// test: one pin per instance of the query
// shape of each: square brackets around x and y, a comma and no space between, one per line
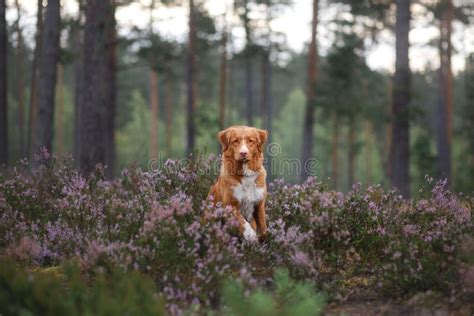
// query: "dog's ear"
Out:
[262,138]
[223,137]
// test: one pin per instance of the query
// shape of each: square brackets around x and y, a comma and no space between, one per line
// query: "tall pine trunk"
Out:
[169,117]
[33,113]
[267,94]
[59,126]
[468,113]
[45,94]
[77,37]
[154,106]
[3,86]
[388,133]
[20,84]
[111,91]
[223,80]
[368,151]
[191,81]
[351,152]
[335,150]
[248,66]
[445,90]
[95,94]
[308,137]
[400,149]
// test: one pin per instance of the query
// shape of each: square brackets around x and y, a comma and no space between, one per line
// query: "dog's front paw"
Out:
[249,233]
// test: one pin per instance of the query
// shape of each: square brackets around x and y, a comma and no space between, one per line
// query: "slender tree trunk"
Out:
[47,75]
[33,113]
[388,143]
[191,81]
[3,86]
[60,112]
[263,105]
[445,103]
[19,60]
[268,98]
[111,90]
[266,104]
[368,151]
[308,137]
[78,64]
[223,80]
[352,153]
[248,66]
[154,106]
[265,100]
[335,151]
[468,113]
[400,150]
[95,94]
[169,117]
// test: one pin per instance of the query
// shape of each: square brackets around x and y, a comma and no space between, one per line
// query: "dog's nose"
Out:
[243,154]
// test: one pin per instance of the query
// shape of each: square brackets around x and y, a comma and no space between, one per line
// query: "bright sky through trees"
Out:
[294,22]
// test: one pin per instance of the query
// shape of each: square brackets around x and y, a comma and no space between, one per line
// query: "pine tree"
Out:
[45,95]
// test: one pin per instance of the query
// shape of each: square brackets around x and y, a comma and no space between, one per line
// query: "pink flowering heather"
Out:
[160,224]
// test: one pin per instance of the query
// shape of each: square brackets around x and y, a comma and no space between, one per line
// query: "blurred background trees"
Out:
[79,79]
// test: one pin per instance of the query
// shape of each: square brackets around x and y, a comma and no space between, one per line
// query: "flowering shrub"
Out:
[160,224]
[407,246]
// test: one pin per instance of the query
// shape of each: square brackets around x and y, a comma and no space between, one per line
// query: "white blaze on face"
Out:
[244,148]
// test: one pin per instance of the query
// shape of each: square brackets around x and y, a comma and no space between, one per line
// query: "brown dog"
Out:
[241,182]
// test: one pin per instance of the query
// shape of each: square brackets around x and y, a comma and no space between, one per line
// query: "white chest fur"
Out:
[248,194]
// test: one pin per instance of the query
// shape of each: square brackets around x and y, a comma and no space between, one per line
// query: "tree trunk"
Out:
[308,136]
[3,86]
[388,143]
[368,151]
[468,113]
[154,113]
[223,80]
[352,153]
[335,149]
[445,102]
[33,113]
[267,95]
[191,81]
[248,66]
[95,94]
[78,64]
[268,92]
[47,75]
[262,101]
[20,84]
[60,112]
[169,117]
[400,150]
[265,87]
[111,91]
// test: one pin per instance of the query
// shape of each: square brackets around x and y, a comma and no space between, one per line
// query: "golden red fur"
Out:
[241,182]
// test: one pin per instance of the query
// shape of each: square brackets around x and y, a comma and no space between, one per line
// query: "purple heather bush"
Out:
[160,224]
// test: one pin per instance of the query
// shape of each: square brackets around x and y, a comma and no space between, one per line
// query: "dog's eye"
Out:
[251,141]
[235,141]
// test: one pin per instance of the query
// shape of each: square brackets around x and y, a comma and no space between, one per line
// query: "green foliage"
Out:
[132,146]
[67,292]
[288,298]
[424,157]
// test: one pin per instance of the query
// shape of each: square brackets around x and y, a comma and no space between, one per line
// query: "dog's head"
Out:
[242,143]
